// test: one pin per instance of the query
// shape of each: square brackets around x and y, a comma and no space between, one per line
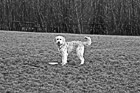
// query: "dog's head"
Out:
[60,40]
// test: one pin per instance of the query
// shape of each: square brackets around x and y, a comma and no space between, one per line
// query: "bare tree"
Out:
[74,16]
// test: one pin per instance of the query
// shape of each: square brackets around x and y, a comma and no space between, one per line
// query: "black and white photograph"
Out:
[69,46]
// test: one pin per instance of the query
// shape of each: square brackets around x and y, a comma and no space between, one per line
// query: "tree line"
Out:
[121,17]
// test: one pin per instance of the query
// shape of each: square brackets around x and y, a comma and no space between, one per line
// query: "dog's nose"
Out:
[58,42]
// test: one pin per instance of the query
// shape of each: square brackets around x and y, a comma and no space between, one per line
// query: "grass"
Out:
[112,65]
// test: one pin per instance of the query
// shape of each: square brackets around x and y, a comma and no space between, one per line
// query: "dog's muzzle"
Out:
[58,43]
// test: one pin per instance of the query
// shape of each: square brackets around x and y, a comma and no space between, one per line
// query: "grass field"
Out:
[112,65]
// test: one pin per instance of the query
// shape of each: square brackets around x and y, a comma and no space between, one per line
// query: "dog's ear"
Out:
[64,40]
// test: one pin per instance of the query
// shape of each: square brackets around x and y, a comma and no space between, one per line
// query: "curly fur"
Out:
[66,47]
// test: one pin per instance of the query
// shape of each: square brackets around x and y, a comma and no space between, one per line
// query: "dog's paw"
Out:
[81,63]
[63,64]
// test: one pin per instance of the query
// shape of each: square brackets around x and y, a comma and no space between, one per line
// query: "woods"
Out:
[110,17]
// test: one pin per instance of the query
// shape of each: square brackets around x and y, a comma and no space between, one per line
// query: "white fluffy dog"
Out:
[66,47]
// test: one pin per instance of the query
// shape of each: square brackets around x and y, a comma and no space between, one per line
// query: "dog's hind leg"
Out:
[80,52]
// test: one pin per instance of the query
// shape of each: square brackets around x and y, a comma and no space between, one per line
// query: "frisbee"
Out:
[53,63]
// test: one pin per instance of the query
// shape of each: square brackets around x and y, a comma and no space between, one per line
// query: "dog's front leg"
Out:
[64,58]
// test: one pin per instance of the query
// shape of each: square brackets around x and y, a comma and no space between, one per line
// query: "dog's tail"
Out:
[88,42]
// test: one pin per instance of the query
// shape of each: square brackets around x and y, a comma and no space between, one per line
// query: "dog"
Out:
[66,47]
